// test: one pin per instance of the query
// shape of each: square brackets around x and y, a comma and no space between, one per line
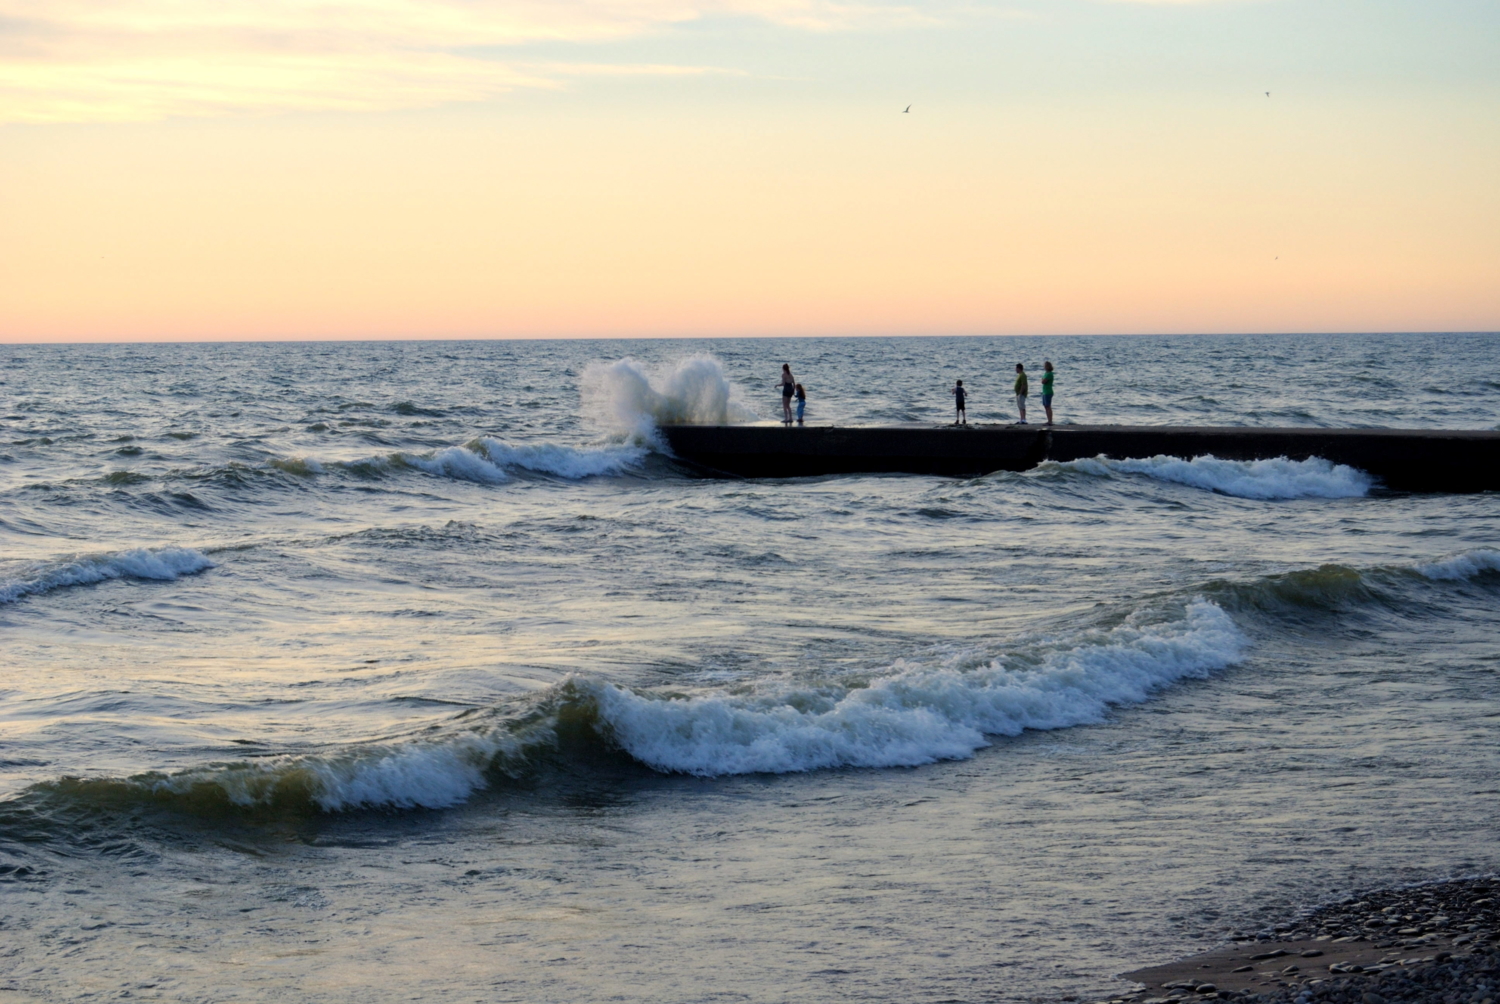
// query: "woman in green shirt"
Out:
[1047,375]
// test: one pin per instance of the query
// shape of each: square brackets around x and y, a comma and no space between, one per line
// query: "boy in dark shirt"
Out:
[962,417]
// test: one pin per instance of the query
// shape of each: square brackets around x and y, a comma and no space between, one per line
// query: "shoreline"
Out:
[1436,943]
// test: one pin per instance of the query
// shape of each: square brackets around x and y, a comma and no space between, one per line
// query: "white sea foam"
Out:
[426,775]
[1462,566]
[164,564]
[917,715]
[629,400]
[1252,479]
[488,461]
[458,462]
[914,715]
[563,461]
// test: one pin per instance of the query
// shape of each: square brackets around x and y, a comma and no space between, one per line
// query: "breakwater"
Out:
[1419,460]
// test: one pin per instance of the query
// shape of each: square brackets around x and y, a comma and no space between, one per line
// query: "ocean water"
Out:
[419,671]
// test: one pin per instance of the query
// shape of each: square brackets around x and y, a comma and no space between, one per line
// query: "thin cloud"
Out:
[140,60]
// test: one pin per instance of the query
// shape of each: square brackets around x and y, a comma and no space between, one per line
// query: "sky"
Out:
[272,169]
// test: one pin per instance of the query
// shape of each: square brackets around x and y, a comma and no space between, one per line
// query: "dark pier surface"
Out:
[1418,460]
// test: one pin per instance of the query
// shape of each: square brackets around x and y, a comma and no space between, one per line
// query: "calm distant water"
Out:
[415,671]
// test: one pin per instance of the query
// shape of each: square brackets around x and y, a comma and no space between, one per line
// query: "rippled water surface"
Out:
[399,671]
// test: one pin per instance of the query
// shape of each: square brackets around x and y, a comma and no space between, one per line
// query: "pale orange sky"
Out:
[504,170]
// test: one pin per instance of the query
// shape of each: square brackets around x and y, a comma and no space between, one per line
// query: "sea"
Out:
[422,671]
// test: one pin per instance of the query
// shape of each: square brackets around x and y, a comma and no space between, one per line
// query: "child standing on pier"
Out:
[788,388]
[801,402]
[962,417]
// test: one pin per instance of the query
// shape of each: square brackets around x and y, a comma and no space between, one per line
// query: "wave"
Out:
[907,715]
[1462,567]
[1290,597]
[564,461]
[912,712]
[484,461]
[918,715]
[162,565]
[461,463]
[629,400]
[1251,479]
[488,461]
[426,775]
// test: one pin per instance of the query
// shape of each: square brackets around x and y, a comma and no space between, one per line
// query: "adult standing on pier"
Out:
[1021,388]
[788,388]
[1047,375]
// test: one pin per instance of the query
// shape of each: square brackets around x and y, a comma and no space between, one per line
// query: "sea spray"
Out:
[628,400]
[1251,479]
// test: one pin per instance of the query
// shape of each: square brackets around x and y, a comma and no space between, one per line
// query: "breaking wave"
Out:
[629,400]
[485,461]
[1463,566]
[914,712]
[564,461]
[162,565]
[910,714]
[1251,479]
[918,715]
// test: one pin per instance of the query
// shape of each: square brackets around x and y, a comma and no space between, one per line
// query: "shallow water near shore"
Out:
[418,670]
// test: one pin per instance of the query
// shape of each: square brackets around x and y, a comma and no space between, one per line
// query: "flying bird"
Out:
[906,109]
[1268,94]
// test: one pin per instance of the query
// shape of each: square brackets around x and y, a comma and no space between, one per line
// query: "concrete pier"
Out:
[1417,460]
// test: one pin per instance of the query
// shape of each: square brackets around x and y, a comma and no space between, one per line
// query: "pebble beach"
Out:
[1435,943]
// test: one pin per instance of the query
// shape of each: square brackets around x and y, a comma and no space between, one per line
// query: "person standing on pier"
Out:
[788,388]
[1021,388]
[801,402]
[962,416]
[1047,375]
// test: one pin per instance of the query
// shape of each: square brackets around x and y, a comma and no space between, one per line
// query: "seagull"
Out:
[1268,94]
[906,109]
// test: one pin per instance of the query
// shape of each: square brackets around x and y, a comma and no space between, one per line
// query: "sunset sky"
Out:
[210,169]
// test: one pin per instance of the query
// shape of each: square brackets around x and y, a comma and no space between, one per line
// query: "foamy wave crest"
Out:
[459,462]
[1251,479]
[563,461]
[488,461]
[1460,567]
[163,565]
[918,715]
[428,774]
[432,775]
[627,399]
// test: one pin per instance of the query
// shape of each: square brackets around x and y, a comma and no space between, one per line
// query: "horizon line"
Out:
[299,340]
